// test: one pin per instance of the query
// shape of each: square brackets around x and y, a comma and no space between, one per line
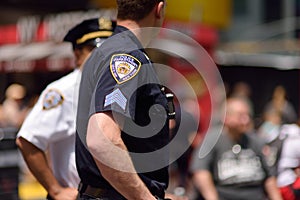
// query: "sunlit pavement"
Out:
[31,190]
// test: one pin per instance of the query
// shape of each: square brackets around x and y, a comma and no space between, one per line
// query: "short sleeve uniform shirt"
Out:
[120,78]
[50,126]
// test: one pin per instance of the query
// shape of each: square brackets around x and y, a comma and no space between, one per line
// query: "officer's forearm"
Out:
[37,163]
[112,158]
[126,183]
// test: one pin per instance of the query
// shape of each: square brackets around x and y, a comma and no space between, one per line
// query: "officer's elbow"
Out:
[102,134]
[24,145]
[19,142]
[99,148]
[95,140]
[92,144]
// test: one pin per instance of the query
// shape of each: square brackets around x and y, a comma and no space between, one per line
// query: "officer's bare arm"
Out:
[37,162]
[110,153]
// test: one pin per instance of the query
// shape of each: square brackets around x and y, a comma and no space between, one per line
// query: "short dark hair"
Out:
[135,9]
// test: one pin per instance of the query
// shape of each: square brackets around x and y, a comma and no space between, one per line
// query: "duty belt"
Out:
[86,190]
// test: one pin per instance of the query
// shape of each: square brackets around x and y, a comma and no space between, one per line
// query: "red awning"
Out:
[41,56]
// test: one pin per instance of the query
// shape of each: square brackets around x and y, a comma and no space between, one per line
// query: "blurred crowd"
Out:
[272,138]
[14,108]
[277,129]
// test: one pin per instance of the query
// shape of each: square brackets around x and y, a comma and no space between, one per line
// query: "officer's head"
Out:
[87,35]
[137,10]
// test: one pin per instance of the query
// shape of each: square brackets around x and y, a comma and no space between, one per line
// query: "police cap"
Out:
[90,32]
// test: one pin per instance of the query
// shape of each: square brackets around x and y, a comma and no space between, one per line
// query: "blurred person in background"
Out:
[235,168]
[50,126]
[289,162]
[269,132]
[185,130]
[277,112]
[280,103]
[243,90]
[14,108]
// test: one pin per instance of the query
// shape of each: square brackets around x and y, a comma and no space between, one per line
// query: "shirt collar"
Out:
[120,29]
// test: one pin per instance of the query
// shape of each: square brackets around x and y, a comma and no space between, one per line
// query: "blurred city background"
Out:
[254,43]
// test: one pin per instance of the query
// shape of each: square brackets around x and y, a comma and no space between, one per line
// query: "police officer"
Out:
[122,124]
[51,124]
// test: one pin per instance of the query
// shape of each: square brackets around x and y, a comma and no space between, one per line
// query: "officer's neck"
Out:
[137,29]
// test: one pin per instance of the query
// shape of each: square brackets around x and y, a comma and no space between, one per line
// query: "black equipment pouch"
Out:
[171,107]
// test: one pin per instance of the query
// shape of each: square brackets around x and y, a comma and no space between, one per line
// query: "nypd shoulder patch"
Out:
[52,99]
[124,67]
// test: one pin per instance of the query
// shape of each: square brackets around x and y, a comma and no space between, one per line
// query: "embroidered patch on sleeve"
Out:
[52,99]
[116,97]
[124,67]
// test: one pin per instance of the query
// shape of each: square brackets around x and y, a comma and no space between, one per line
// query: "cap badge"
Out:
[105,24]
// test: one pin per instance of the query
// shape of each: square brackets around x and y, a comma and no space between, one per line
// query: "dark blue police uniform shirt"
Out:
[119,77]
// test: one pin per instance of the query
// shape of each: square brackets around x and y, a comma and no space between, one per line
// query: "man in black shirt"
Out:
[235,168]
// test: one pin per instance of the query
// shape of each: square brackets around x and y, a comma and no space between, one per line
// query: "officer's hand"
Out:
[66,194]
